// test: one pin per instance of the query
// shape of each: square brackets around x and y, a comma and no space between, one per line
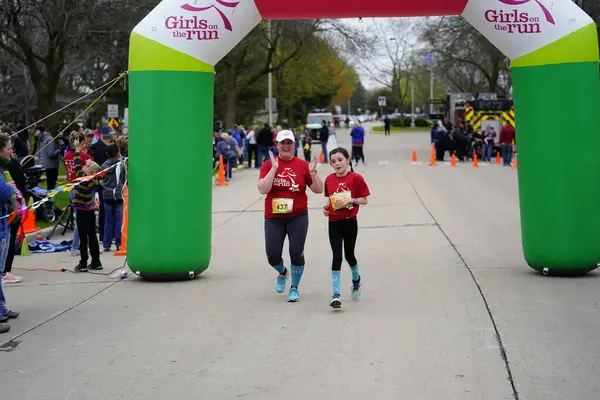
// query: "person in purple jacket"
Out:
[6,192]
[358,142]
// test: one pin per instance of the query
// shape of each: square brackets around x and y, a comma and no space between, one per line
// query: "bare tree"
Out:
[463,58]
[388,62]
[54,38]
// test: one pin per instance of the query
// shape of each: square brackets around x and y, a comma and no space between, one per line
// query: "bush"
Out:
[421,123]
[405,123]
[396,123]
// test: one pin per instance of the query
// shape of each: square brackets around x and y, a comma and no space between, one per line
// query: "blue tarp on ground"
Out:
[45,246]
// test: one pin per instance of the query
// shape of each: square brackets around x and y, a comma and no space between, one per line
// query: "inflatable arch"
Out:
[553,48]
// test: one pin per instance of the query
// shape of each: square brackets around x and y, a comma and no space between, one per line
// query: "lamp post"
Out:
[412,101]
[270,105]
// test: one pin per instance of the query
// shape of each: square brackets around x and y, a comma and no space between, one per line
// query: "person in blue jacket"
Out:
[7,190]
[358,142]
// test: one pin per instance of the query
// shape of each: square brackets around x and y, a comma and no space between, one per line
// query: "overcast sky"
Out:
[370,24]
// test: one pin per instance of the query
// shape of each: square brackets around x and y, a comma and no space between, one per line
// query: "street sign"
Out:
[113,122]
[273,104]
[113,111]
[382,101]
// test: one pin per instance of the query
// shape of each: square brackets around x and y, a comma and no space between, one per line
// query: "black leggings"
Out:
[86,226]
[276,230]
[343,232]
[358,154]
[14,239]
[51,177]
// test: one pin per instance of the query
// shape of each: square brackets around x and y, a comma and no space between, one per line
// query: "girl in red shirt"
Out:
[345,191]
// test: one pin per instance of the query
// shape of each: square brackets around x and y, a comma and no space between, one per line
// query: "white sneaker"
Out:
[10,278]
[74,253]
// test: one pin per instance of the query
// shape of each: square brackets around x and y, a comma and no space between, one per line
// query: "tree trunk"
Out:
[232,95]
[291,121]
[495,75]
[46,99]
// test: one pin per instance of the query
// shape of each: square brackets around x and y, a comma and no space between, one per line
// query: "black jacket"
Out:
[112,184]
[324,134]
[265,137]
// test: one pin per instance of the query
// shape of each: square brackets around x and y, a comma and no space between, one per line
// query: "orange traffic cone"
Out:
[498,161]
[475,161]
[125,227]
[28,225]
[432,161]
[453,162]
[515,163]
[321,158]
[222,181]
[414,156]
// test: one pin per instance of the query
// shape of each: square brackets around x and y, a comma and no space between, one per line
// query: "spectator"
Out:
[6,193]
[507,136]
[112,188]
[264,142]
[324,137]
[83,202]
[98,153]
[50,151]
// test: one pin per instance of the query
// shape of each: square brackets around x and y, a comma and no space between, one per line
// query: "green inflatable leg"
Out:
[171,119]
[559,166]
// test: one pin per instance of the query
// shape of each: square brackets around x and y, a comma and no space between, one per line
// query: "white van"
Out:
[314,123]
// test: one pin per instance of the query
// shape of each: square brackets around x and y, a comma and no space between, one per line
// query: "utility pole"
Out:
[431,87]
[412,102]
[270,108]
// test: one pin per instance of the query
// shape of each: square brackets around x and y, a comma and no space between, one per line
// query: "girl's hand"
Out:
[326,211]
[342,202]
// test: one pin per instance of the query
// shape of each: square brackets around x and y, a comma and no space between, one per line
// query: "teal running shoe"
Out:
[294,296]
[356,289]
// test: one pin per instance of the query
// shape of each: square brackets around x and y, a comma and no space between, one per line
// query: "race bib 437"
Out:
[283,206]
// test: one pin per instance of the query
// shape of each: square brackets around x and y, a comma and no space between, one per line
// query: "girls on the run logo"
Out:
[196,28]
[287,179]
[518,22]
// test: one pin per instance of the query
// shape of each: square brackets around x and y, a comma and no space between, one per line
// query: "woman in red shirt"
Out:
[345,191]
[284,180]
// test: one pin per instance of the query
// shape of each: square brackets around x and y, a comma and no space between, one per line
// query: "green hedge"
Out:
[405,123]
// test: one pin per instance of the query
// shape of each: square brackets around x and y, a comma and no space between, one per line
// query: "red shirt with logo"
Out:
[287,197]
[353,186]
[68,158]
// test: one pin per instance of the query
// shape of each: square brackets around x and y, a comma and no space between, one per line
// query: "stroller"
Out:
[475,146]
[33,177]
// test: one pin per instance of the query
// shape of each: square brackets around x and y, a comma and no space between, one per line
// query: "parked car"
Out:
[314,124]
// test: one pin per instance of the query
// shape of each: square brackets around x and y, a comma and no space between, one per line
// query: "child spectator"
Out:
[83,203]
[6,193]
[112,191]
